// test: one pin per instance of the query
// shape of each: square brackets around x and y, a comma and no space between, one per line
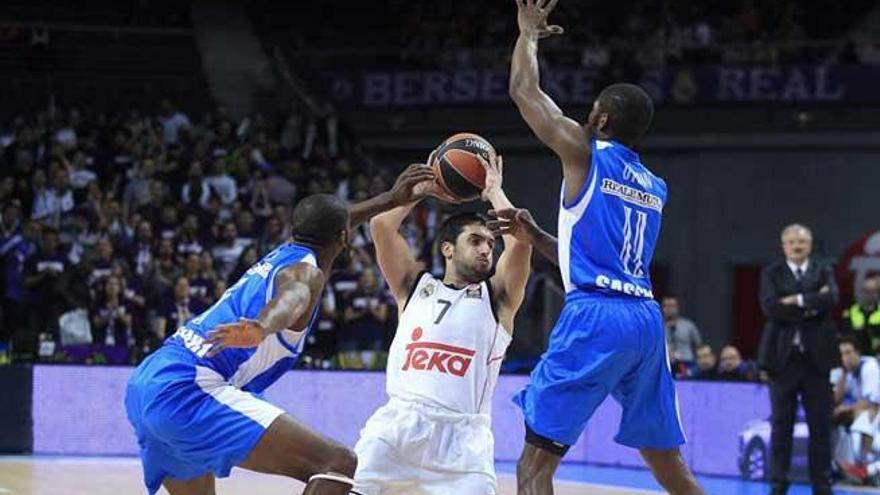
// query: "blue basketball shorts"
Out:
[605,345]
[189,421]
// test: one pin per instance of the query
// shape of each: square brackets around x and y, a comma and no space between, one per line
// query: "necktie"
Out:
[799,278]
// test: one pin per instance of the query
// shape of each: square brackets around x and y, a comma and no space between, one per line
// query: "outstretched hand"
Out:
[532,18]
[243,333]
[406,187]
[516,222]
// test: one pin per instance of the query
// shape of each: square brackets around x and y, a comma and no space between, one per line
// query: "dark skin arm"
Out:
[518,222]
[566,137]
[400,194]
[297,290]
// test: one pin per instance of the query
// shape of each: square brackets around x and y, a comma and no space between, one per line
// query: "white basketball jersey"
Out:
[448,348]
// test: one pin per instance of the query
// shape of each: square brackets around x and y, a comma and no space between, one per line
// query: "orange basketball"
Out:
[459,171]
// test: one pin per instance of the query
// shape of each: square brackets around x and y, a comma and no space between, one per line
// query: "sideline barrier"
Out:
[78,410]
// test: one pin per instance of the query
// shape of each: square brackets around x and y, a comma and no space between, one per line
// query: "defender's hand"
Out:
[243,333]
[494,175]
[404,190]
[532,18]
[517,222]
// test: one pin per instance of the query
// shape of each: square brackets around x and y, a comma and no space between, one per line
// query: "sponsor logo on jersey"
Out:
[606,282]
[427,291]
[192,341]
[632,195]
[435,356]
[474,292]
[263,269]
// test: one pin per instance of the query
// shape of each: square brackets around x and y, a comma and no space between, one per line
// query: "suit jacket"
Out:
[814,319]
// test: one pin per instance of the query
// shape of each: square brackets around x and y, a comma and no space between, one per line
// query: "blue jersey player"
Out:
[195,403]
[609,338]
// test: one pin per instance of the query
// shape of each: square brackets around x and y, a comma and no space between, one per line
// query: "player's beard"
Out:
[472,272]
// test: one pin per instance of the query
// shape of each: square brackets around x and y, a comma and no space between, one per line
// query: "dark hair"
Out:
[629,110]
[851,340]
[318,219]
[453,226]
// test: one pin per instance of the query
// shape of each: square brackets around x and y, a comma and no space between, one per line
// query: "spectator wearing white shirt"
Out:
[860,384]
[172,122]
[227,251]
[222,184]
[52,204]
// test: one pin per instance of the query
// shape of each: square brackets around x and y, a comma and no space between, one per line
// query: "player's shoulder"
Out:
[303,271]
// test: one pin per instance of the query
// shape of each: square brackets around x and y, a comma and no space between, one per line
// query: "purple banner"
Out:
[707,84]
[78,410]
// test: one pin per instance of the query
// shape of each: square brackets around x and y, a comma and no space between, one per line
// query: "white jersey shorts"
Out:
[416,449]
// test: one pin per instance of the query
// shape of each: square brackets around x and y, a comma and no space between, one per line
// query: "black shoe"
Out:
[822,490]
[779,489]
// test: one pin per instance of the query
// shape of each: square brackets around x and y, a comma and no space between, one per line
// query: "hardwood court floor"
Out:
[112,476]
[122,476]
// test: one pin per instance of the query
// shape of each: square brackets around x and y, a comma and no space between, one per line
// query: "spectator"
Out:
[365,324]
[140,253]
[273,236]
[172,122]
[177,309]
[862,319]
[137,191]
[165,271]
[188,237]
[45,277]
[222,184]
[51,205]
[246,228]
[682,336]
[100,264]
[227,251]
[248,258]
[200,287]
[733,368]
[169,222]
[111,318]
[195,193]
[707,363]
[16,246]
[857,399]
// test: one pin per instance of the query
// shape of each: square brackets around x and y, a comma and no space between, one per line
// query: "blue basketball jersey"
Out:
[608,233]
[252,369]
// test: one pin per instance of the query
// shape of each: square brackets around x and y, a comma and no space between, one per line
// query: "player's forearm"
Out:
[524,72]
[284,309]
[498,199]
[392,219]
[363,211]
[547,245]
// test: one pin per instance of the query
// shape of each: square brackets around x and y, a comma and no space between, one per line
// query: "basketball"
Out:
[458,168]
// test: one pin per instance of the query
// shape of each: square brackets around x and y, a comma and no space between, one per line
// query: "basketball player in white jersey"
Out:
[433,437]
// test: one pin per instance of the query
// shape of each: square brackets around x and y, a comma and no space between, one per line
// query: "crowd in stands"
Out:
[116,228]
[626,39]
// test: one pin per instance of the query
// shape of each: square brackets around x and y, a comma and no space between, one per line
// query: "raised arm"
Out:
[566,137]
[393,254]
[399,194]
[297,290]
[514,265]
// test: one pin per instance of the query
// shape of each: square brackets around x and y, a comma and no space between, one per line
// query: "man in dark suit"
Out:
[797,295]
